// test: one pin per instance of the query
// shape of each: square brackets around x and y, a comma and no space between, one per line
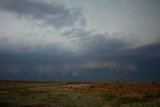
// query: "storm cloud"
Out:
[68,48]
[127,64]
[54,14]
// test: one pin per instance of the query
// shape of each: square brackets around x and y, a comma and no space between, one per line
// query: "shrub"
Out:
[151,95]
[108,96]
[129,100]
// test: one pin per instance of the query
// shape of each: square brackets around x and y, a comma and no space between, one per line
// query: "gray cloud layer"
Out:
[128,64]
[56,15]
[79,54]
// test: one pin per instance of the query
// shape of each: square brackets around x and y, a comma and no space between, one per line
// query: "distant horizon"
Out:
[73,81]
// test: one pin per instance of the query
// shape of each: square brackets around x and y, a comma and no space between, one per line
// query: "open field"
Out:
[76,94]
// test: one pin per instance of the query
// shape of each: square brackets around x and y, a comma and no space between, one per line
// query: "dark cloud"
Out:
[98,57]
[56,15]
[127,64]
[74,53]
[100,43]
[90,42]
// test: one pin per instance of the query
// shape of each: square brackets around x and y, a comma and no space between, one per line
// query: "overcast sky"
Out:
[89,40]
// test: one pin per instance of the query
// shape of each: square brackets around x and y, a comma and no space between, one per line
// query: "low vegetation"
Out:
[76,94]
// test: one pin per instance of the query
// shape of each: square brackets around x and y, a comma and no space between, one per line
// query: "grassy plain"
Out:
[79,94]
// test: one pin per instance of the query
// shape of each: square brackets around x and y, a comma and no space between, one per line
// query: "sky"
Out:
[75,40]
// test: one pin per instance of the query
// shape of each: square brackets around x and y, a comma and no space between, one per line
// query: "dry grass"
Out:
[76,94]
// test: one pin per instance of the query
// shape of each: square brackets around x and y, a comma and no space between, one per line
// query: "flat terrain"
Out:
[79,94]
